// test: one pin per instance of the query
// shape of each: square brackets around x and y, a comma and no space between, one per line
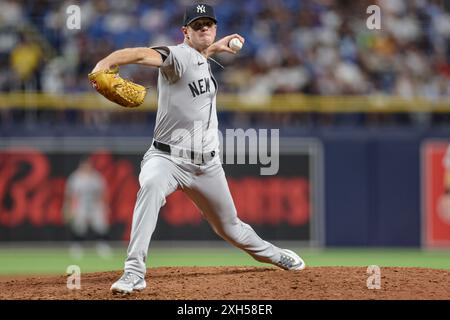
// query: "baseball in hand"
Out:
[235,44]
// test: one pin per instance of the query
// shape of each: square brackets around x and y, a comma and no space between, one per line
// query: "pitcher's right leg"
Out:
[157,180]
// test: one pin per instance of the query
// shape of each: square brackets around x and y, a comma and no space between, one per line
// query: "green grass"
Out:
[56,260]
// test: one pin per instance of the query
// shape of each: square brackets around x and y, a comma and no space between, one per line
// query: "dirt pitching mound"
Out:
[254,283]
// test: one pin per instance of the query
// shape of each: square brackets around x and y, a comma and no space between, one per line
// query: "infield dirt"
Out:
[235,283]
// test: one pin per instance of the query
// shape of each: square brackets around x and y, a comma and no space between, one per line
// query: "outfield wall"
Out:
[371,194]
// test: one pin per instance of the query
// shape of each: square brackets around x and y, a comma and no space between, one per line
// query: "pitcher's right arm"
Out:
[143,56]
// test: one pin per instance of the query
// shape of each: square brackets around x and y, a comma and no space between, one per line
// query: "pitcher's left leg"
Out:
[212,196]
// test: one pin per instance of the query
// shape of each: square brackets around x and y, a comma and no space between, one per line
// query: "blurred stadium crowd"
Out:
[314,47]
[320,47]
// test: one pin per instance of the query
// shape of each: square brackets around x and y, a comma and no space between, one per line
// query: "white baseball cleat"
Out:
[289,260]
[128,283]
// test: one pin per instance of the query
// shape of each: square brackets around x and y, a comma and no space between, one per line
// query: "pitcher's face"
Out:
[201,32]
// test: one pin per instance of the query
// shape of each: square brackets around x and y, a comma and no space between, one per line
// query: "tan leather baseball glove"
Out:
[116,89]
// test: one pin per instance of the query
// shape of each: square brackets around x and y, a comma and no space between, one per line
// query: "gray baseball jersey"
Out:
[187,116]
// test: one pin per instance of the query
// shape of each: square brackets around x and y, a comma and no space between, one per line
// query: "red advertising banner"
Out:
[436,195]
[34,180]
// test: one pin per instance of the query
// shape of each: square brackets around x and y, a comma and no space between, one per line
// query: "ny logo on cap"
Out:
[201,9]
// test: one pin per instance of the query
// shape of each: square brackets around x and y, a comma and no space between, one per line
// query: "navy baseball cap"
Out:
[198,11]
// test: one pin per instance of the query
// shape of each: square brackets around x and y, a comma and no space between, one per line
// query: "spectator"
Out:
[26,60]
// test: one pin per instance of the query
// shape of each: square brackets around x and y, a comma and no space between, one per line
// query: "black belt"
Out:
[193,155]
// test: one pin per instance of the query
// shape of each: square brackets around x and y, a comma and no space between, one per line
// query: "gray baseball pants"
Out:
[206,185]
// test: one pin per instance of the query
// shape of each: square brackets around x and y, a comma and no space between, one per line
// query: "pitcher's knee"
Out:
[234,230]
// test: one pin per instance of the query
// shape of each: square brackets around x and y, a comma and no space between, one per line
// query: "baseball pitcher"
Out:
[187,94]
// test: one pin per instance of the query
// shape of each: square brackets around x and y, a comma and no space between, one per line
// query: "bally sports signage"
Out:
[34,173]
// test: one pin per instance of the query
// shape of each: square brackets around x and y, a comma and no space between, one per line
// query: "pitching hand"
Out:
[222,45]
